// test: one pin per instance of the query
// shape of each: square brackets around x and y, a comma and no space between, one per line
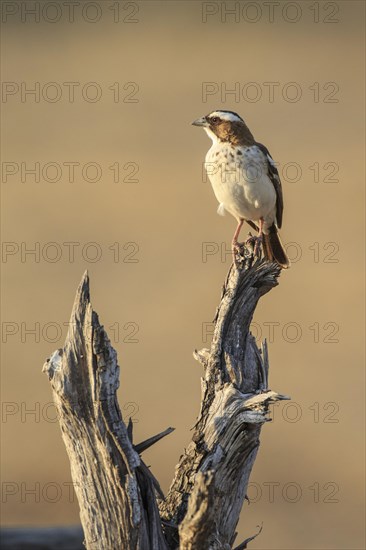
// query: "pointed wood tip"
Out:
[141,447]
[82,296]
[80,309]
[83,291]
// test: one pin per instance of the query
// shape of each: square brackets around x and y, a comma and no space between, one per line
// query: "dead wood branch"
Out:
[121,503]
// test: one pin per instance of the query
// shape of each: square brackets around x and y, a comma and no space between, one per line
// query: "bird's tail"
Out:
[273,248]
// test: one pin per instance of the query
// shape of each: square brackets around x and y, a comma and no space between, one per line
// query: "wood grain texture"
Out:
[121,503]
[234,406]
[115,490]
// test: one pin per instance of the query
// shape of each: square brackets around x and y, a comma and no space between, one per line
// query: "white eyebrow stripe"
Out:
[226,116]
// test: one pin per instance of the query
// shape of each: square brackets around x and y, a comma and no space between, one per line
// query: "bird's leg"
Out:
[235,244]
[259,239]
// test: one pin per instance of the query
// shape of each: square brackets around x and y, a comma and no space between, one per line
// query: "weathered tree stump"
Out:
[121,503]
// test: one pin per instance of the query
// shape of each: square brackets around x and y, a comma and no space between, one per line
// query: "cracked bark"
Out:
[121,503]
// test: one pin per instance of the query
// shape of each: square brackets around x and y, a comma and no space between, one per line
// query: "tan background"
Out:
[170,292]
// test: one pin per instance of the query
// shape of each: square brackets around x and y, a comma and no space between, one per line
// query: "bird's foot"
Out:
[251,246]
[253,243]
[251,240]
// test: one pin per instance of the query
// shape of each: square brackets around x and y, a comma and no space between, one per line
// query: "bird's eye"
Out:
[215,120]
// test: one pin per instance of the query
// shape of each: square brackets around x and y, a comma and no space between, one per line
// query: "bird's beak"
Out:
[200,122]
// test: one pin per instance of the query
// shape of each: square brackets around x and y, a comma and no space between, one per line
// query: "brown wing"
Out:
[275,179]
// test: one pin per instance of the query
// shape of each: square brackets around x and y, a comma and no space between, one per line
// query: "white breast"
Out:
[240,181]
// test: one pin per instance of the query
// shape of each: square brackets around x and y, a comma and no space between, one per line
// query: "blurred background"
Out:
[101,170]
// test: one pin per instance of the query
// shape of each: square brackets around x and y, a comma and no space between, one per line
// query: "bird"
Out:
[245,181]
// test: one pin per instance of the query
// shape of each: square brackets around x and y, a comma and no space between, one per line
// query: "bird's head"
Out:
[225,126]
